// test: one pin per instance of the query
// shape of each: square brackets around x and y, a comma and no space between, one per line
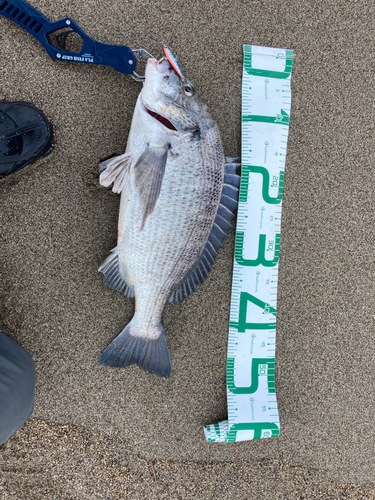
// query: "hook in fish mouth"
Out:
[165,65]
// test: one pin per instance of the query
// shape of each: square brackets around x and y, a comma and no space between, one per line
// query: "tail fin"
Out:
[129,348]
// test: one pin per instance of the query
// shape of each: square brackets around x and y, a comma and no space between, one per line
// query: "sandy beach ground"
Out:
[98,432]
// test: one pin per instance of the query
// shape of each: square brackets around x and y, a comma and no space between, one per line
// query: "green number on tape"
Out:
[257,370]
[246,169]
[258,429]
[241,325]
[261,259]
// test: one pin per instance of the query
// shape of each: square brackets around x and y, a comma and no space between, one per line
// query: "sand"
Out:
[95,430]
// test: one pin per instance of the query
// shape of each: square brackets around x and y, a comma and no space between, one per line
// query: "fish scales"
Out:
[175,233]
[171,179]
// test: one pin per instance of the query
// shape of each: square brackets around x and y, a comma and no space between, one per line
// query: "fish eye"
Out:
[189,90]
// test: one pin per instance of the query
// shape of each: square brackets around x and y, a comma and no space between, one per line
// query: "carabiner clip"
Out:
[140,53]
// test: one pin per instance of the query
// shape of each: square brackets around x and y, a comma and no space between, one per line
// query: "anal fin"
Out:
[112,277]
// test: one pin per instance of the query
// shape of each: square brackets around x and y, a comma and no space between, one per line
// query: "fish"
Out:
[178,197]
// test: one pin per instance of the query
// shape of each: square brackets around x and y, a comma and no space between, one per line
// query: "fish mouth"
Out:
[163,66]
[164,121]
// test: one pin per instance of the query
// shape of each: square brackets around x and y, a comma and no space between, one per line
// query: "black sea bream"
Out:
[177,201]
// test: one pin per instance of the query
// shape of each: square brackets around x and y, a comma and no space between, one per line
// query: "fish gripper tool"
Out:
[55,36]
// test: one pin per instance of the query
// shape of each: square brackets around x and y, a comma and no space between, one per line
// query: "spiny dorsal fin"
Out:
[232,179]
[115,170]
[221,226]
[112,277]
[149,173]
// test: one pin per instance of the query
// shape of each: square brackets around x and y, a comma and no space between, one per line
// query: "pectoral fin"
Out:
[115,170]
[149,173]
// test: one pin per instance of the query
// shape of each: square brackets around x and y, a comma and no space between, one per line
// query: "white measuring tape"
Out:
[266,99]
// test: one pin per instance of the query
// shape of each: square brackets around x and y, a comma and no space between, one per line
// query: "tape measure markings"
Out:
[251,393]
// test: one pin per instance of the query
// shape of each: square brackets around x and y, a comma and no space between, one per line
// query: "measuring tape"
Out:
[266,99]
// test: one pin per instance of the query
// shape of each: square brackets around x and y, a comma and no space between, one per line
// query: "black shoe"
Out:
[25,135]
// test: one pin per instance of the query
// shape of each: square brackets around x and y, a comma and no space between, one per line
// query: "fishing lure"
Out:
[172,60]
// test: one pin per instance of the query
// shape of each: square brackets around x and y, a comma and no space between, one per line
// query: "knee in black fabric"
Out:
[17,387]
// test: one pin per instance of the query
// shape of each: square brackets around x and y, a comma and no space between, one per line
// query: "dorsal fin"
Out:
[221,226]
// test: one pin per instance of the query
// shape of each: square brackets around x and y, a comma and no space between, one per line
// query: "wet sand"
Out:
[95,430]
